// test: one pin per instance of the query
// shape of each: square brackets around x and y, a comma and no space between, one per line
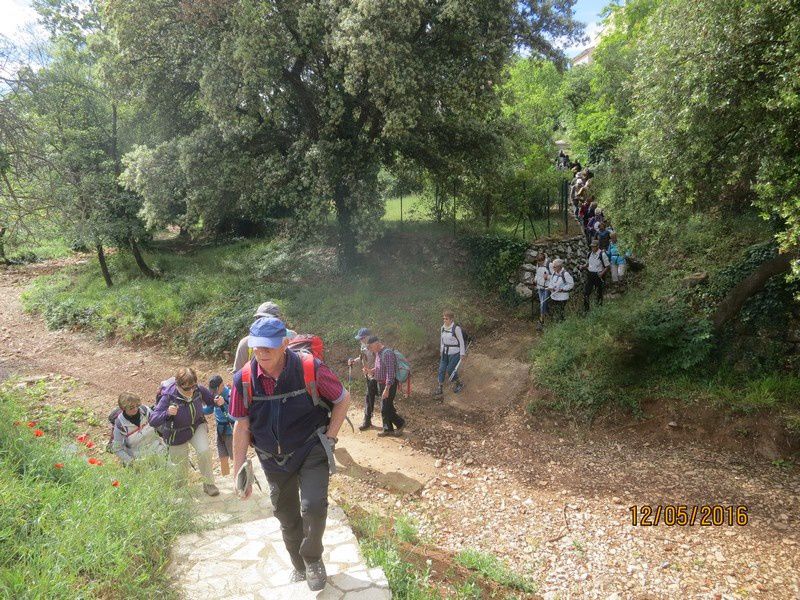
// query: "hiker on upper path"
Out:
[291,405]
[180,407]
[452,350]
[367,360]
[134,436]
[543,295]
[596,270]
[243,353]
[617,259]
[559,286]
[385,374]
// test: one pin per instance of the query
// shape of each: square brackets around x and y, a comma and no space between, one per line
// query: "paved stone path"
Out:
[242,556]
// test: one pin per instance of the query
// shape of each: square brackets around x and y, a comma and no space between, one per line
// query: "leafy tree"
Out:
[315,96]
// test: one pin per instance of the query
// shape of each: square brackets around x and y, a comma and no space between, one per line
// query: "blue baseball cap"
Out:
[266,332]
[363,332]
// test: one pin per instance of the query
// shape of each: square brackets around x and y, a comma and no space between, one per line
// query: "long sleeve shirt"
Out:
[560,284]
[451,341]
[385,367]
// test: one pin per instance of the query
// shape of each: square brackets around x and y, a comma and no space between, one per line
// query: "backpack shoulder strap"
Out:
[247,385]
[310,376]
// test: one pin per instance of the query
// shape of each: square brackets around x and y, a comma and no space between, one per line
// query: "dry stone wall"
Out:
[572,251]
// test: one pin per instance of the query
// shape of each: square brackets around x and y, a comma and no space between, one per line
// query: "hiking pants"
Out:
[593,281]
[389,415]
[447,364]
[300,502]
[179,455]
[369,399]
[557,309]
[543,296]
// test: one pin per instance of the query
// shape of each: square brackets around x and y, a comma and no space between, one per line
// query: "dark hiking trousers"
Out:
[388,414]
[557,308]
[593,281]
[302,515]
[369,399]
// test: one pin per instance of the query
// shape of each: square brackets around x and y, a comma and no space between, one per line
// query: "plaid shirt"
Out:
[385,367]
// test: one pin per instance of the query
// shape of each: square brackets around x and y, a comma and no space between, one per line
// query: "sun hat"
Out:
[266,332]
[268,309]
[363,332]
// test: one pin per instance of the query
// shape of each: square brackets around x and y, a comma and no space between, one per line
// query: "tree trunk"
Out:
[101,258]
[137,255]
[750,285]
[3,259]
[347,240]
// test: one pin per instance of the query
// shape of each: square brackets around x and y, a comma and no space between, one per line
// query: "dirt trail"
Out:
[480,473]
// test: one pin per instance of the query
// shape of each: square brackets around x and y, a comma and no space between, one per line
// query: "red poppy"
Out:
[95,461]
[59,465]
[90,445]
[32,423]
[115,483]
[38,433]
[83,438]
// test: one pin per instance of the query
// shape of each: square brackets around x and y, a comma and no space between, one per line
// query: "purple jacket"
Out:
[179,429]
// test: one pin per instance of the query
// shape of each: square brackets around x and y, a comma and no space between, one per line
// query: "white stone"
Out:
[370,594]
[346,553]
[339,535]
[251,551]
[349,582]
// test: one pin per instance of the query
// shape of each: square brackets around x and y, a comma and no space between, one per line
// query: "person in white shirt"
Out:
[559,285]
[542,275]
[596,270]
[452,350]
[133,434]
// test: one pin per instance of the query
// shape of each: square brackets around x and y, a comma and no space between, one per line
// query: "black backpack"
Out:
[467,337]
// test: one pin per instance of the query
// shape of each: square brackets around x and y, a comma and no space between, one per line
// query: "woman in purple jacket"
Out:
[180,410]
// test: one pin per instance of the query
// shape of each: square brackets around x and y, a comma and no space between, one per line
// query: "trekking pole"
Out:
[349,376]
[458,364]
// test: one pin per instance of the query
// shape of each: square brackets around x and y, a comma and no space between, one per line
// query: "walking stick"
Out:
[458,364]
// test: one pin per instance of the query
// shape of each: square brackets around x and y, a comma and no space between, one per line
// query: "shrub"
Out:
[495,261]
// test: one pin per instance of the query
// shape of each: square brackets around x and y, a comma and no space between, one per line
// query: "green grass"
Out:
[413,209]
[67,532]
[206,298]
[44,249]
[493,568]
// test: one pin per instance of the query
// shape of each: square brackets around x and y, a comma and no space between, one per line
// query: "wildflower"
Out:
[115,483]
[83,438]
[59,465]
[90,445]
[32,424]
[38,433]
[95,461]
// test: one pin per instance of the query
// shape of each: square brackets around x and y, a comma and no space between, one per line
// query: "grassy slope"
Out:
[207,297]
[68,532]
[654,341]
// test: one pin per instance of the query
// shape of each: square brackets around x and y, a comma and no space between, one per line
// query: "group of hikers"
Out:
[286,404]
[553,281]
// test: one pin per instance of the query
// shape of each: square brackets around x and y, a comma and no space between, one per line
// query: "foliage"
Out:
[208,296]
[495,261]
[66,531]
[493,568]
[312,97]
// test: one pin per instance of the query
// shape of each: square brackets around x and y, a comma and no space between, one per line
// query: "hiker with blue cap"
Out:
[367,360]
[291,406]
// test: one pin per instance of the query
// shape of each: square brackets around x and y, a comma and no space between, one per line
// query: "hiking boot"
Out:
[297,575]
[316,576]
[539,326]
[458,387]
[364,426]
[438,392]
[385,433]
[400,426]
[210,489]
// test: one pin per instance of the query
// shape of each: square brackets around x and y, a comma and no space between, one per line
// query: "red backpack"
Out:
[306,342]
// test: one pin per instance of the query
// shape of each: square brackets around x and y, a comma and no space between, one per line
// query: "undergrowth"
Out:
[66,531]
[206,298]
